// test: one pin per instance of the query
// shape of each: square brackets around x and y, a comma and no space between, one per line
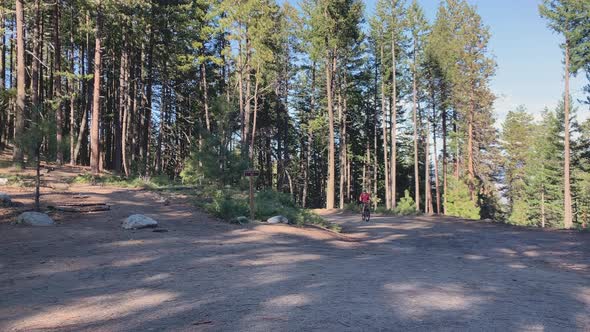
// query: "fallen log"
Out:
[82,204]
[81,209]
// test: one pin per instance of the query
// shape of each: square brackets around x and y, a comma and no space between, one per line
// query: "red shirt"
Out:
[365,198]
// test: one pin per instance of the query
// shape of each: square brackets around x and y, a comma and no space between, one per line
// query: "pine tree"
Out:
[517,142]
[19,127]
[418,26]
[563,18]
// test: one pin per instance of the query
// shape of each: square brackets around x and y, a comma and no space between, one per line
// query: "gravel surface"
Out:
[394,273]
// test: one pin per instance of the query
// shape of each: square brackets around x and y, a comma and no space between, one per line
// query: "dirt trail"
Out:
[419,273]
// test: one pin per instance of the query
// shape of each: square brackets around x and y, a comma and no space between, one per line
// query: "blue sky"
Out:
[530,68]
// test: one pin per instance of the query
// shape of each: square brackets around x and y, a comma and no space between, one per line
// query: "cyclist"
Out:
[365,199]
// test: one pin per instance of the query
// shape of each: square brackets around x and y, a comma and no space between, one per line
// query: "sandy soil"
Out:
[419,273]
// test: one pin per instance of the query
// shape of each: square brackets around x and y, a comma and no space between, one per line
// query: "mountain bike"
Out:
[366,213]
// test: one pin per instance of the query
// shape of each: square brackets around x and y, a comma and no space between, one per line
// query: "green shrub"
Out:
[383,210]
[406,205]
[458,200]
[520,213]
[271,203]
[353,207]
[226,207]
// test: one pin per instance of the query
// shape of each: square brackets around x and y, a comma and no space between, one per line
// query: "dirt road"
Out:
[405,274]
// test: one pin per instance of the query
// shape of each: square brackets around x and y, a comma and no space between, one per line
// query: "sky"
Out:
[530,61]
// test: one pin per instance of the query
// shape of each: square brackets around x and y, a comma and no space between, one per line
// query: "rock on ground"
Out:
[3,181]
[5,200]
[277,220]
[34,219]
[137,221]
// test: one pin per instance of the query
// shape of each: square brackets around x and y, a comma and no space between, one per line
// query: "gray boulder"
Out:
[34,219]
[5,200]
[277,220]
[3,181]
[138,221]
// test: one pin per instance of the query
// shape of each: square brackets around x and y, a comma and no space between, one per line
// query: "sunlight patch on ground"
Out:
[280,259]
[584,296]
[389,238]
[420,300]
[129,243]
[134,261]
[475,257]
[94,309]
[286,301]
[60,266]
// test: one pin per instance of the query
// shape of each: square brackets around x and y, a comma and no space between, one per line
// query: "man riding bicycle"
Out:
[365,200]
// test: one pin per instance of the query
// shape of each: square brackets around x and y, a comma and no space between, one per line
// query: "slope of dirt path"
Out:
[420,273]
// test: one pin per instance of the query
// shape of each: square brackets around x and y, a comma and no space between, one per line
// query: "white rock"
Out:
[34,219]
[5,199]
[3,181]
[277,220]
[137,221]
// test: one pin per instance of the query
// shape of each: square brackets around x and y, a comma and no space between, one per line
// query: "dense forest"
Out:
[322,99]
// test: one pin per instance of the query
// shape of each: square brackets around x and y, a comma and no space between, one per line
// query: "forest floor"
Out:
[393,273]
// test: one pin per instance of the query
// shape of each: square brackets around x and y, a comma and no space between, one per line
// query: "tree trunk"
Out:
[247,97]
[384,124]
[36,59]
[470,148]
[445,160]
[59,114]
[125,108]
[427,192]
[435,150]
[205,96]
[19,126]
[415,118]
[38,177]
[567,195]
[251,154]
[3,113]
[393,110]
[330,186]
[309,139]
[147,118]
[3,51]
[71,90]
[94,130]
[342,142]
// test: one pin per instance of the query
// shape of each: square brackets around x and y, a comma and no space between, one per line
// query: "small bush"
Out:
[459,203]
[520,213]
[353,207]
[406,205]
[226,207]
[384,211]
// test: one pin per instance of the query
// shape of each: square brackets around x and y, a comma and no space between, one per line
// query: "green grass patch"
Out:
[121,181]
[18,180]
